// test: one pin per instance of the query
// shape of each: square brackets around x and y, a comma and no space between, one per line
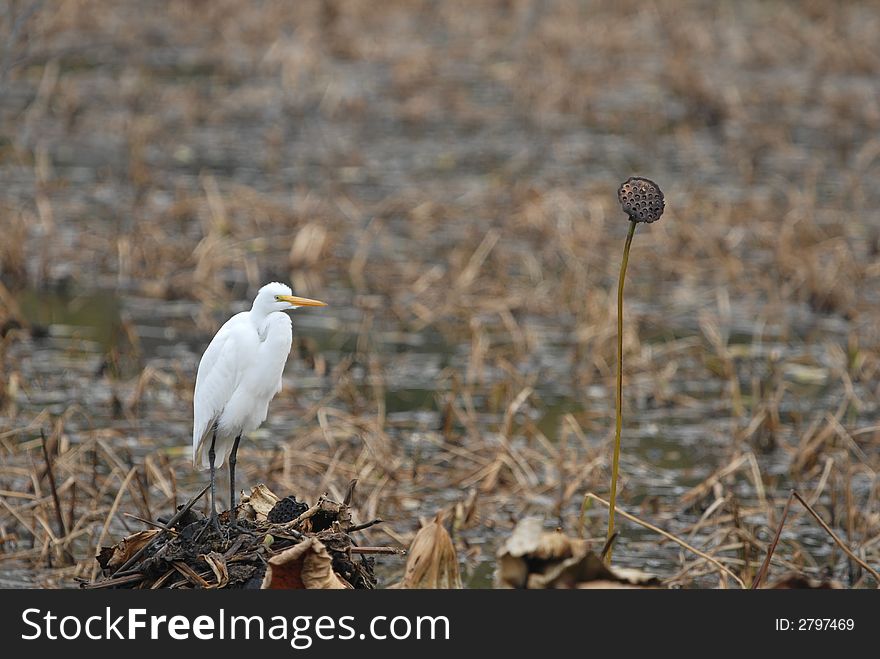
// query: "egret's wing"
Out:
[218,375]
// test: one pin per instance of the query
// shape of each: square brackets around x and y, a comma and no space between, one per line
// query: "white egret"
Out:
[238,376]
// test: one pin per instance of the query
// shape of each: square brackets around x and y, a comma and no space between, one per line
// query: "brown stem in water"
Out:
[766,564]
[840,543]
[50,473]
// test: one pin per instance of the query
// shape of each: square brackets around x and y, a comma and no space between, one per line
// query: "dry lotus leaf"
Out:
[622,577]
[257,505]
[535,558]
[117,555]
[305,565]
[432,561]
[555,546]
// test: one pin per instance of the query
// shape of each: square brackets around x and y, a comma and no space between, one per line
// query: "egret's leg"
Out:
[214,520]
[232,458]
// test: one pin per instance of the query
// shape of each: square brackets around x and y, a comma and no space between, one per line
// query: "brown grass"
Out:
[443,174]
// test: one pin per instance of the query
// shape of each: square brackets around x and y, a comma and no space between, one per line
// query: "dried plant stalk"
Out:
[642,201]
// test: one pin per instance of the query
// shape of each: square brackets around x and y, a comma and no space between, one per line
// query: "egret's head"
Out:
[279,297]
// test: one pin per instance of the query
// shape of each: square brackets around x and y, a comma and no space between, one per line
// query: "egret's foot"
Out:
[212,522]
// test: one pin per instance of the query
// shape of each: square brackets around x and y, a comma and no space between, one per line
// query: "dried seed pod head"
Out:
[641,199]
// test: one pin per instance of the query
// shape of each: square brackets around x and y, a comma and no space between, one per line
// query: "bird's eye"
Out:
[277,299]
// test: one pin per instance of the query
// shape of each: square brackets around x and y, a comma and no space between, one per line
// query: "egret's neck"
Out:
[264,316]
[259,315]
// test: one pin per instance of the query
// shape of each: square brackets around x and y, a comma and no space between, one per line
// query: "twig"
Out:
[834,537]
[114,507]
[62,527]
[72,511]
[171,522]
[148,522]
[20,519]
[669,536]
[289,534]
[191,575]
[766,564]
[365,525]
[116,581]
[706,486]
[161,580]
[795,495]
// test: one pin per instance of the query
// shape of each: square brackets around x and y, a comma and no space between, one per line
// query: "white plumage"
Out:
[240,373]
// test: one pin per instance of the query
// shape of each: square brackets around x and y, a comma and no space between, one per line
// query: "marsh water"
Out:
[443,174]
[88,340]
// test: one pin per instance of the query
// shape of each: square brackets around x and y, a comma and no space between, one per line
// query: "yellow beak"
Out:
[301,301]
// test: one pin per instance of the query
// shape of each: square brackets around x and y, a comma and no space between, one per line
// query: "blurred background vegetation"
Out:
[443,173]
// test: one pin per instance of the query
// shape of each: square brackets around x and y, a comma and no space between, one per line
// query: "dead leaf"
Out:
[217,563]
[535,558]
[556,546]
[258,503]
[111,557]
[432,561]
[191,575]
[305,565]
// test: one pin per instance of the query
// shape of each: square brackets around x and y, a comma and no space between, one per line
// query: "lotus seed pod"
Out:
[641,199]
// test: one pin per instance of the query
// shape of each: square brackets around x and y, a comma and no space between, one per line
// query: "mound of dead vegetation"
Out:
[269,542]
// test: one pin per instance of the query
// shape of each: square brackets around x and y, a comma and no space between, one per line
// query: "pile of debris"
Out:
[269,542]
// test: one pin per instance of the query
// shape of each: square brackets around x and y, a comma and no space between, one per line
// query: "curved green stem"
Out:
[615,463]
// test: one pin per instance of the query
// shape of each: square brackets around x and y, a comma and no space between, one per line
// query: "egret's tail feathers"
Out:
[222,449]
